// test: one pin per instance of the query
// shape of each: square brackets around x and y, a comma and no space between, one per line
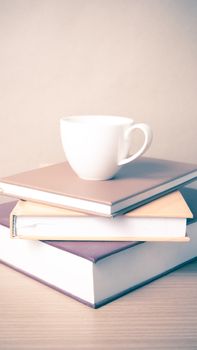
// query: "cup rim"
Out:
[102,119]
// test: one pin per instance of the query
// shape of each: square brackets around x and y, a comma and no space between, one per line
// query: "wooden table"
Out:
[161,315]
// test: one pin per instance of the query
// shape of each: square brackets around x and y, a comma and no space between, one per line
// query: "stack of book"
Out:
[96,241]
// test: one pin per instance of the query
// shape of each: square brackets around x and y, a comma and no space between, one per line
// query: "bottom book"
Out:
[96,273]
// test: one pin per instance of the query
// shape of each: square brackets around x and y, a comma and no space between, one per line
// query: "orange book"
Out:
[163,219]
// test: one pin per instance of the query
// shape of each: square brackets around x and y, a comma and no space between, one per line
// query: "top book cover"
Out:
[135,184]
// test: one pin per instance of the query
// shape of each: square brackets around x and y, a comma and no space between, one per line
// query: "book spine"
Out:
[13,219]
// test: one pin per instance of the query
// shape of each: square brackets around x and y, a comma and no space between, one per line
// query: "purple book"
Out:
[96,272]
[135,184]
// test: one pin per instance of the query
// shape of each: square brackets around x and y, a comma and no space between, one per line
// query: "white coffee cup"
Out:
[97,146]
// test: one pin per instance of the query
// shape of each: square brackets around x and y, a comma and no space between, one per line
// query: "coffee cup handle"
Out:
[147,141]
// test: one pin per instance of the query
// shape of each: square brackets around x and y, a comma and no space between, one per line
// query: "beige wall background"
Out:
[133,58]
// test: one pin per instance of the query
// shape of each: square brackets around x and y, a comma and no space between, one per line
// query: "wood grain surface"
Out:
[161,315]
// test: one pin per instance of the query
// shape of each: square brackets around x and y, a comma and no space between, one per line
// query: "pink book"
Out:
[96,273]
[135,184]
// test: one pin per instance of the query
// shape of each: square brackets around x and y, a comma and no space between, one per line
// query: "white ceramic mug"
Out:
[97,146]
